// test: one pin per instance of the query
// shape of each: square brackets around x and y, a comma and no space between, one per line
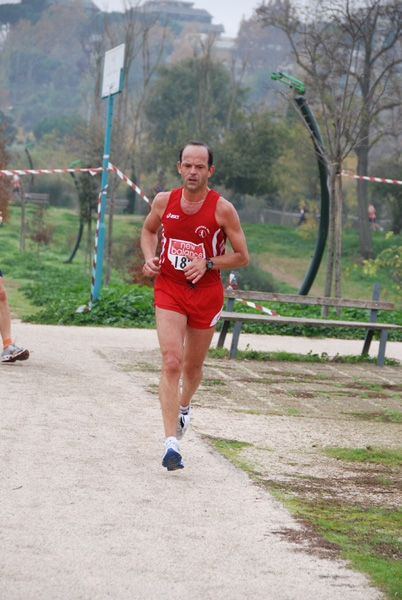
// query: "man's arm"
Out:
[149,234]
[228,219]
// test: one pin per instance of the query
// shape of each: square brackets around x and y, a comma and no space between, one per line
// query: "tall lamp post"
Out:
[319,149]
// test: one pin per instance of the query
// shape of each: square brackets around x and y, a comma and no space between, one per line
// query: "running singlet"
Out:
[197,235]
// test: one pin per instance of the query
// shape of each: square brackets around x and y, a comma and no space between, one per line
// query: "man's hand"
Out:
[195,269]
[151,267]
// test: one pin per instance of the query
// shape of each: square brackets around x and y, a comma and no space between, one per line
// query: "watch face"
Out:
[210,264]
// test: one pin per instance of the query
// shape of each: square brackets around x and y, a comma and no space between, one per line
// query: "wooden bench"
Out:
[370,326]
[120,204]
[38,199]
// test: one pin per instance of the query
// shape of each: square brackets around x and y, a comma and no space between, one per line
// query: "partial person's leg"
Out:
[10,352]
[196,346]
[5,321]
[197,343]
[171,328]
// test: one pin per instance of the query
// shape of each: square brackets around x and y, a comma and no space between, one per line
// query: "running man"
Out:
[188,292]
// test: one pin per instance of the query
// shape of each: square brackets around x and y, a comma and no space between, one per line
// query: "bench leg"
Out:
[381,350]
[235,339]
[222,335]
[367,341]
[225,325]
[373,319]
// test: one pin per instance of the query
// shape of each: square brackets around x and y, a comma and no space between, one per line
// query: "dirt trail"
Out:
[89,513]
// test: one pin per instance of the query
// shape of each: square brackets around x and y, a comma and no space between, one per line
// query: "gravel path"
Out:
[87,511]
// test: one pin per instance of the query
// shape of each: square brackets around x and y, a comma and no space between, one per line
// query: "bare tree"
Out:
[144,48]
[338,46]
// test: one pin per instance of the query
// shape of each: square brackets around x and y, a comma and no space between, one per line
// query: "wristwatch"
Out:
[210,264]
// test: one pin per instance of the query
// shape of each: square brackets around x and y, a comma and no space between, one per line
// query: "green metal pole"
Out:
[324,213]
[81,226]
[311,123]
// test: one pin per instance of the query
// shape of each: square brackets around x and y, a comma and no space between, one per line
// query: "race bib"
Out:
[179,249]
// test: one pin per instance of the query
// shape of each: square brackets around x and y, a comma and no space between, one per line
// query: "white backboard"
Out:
[114,61]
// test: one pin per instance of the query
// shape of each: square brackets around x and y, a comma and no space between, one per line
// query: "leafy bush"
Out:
[62,290]
[389,261]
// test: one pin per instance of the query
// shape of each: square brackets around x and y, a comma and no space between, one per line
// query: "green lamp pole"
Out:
[311,123]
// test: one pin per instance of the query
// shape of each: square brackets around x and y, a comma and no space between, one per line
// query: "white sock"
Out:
[170,439]
[184,410]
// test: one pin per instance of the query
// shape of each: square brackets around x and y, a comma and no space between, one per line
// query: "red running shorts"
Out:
[201,305]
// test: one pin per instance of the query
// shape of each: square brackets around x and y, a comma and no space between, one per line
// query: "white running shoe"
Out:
[13,353]
[182,425]
[172,457]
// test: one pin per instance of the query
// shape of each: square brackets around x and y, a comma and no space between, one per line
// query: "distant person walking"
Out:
[372,217]
[16,185]
[303,211]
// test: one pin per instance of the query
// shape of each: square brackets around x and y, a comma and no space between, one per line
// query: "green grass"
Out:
[278,241]
[366,455]
[386,416]
[213,382]
[264,240]
[291,356]
[368,537]
[232,450]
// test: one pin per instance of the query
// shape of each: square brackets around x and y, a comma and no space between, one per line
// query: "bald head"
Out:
[195,143]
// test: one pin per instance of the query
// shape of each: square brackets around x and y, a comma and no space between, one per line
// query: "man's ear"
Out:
[211,171]
[179,167]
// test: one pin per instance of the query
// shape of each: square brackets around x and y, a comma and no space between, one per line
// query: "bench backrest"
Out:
[119,203]
[311,300]
[33,196]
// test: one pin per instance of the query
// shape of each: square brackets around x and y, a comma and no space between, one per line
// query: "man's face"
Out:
[194,169]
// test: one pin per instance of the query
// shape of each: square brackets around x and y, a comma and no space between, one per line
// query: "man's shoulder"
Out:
[161,199]
[225,212]
[164,196]
[224,205]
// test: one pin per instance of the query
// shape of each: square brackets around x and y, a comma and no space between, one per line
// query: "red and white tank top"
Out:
[197,235]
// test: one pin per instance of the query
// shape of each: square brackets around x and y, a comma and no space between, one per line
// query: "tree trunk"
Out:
[366,244]
[88,254]
[331,238]
[22,226]
[338,244]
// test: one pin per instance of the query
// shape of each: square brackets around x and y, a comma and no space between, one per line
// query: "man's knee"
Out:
[192,372]
[171,365]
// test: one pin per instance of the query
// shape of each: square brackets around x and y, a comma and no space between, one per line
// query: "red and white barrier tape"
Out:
[41,171]
[378,179]
[259,307]
[129,182]
[93,171]
[96,170]
[96,243]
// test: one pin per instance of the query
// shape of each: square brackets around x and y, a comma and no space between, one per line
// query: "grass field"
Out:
[280,257]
